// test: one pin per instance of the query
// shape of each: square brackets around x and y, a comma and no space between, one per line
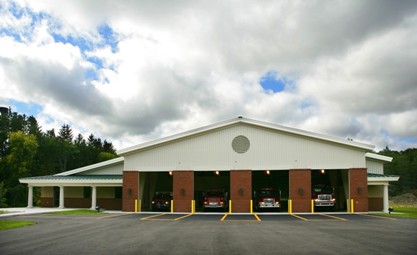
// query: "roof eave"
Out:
[378,157]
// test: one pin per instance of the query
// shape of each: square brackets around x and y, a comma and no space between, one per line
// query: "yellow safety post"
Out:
[172,206]
[192,206]
[289,206]
[312,205]
[136,205]
[230,206]
[352,207]
[251,206]
[139,205]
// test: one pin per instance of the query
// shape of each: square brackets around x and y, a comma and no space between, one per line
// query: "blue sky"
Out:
[135,71]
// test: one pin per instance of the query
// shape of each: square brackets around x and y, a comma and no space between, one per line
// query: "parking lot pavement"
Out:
[240,217]
[207,234]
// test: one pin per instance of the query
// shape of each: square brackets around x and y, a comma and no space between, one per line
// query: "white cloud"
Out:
[183,64]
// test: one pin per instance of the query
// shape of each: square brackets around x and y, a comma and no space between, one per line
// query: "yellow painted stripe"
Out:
[299,217]
[153,216]
[243,220]
[256,216]
[224,217]
[114,215]
[182,217]
[380,217]
[331,216]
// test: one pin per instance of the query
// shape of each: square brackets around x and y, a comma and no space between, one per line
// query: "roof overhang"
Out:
[77,180]
[378,157]
[379,179]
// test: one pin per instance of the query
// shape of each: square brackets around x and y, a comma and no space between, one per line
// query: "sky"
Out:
[133,71]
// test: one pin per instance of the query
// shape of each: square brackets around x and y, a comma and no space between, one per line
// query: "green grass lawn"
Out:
[8,224]
[402,212]
[79,212]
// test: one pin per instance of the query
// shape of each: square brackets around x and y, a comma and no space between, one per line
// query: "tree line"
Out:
[404,164]
[26,150]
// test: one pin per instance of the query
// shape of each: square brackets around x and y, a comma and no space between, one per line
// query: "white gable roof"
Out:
[252,122]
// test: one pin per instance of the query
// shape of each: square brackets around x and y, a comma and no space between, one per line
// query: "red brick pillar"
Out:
[130,190]
[240,190]
[358,186]
[300,190]
[183,188]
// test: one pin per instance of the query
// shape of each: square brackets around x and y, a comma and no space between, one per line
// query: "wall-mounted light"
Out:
[267,172]
[322,171]
[170,173]
[217,173]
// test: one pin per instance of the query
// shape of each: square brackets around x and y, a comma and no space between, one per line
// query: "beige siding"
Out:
[269,149]
[47,191]
[74,192]
[375,191]
[105,192]
[375,167]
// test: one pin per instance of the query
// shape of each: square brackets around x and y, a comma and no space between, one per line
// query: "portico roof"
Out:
[74,180]
[382,178]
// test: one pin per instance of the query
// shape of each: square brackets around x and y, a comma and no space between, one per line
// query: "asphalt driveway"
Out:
[210,234]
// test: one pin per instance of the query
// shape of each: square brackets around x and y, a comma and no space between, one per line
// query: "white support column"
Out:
[93,197]
[386,203]
[61,197]
[30,196]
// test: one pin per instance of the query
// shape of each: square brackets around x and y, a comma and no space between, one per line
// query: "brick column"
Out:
[358,187]
[183,189]
[300,189]
[130,190]
[240,190]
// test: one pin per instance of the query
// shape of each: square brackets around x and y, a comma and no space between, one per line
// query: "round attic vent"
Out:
[240,144]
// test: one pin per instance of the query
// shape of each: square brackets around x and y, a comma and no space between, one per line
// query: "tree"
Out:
[17,164]
[66,148]
[22,151]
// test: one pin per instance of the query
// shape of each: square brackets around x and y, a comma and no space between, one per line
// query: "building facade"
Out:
[238,156]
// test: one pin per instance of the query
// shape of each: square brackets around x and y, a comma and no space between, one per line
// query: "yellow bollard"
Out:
[230,206]
[352,207]
[251,206]
[172,206]
[193,206]
[136,205]
[289,206]
[139,205]
[312,205]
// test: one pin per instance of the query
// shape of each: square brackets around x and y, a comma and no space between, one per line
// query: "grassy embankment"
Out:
[402,211]
[8,224]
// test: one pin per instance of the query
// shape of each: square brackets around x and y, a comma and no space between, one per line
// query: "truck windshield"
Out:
[266,193]
[327,190]
[163,195]
[214,193]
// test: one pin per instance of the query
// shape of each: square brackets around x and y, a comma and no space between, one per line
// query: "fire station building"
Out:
[239,156]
